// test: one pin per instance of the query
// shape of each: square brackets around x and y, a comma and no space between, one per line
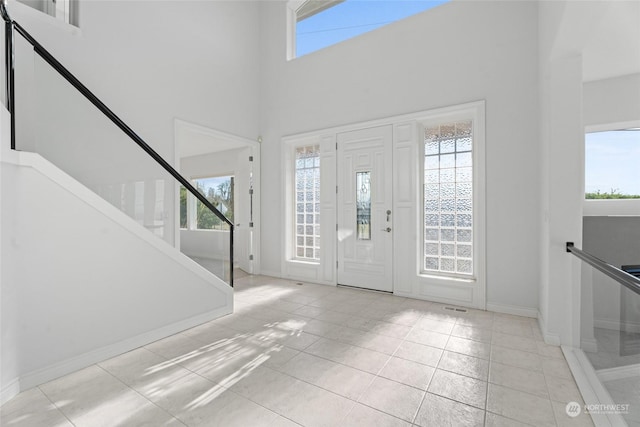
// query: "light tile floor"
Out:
[316,355]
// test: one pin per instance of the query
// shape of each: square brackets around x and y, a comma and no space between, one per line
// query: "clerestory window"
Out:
[63,10]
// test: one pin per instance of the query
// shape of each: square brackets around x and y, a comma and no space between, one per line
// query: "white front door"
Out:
[365,220]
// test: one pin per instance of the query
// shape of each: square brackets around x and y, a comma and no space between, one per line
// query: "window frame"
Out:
[65,12]
[606,207]
[292,20]
[475,114]
[192,205]
[293,207]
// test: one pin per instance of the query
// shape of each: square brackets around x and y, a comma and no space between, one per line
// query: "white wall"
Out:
[195,60]
[86,283]
[418,64]
[611,101]
[151,62]
[9,288]
[561,167]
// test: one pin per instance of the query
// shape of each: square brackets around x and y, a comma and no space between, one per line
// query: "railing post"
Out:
[9,75]
[231,227]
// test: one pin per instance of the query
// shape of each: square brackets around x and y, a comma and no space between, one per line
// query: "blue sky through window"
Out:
[612,162]
[352,18]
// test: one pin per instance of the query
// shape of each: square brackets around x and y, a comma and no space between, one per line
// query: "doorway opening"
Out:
[226,169]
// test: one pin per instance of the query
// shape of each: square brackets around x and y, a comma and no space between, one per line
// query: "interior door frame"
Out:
[385,133]
[182,130]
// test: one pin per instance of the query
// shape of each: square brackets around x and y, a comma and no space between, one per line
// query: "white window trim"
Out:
[611,207]
[292,20]
[474,286]
[475,115]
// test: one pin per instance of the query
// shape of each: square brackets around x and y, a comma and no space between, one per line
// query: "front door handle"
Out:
[388,229]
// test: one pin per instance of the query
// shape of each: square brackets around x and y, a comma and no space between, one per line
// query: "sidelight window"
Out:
[448,198]
[307,203]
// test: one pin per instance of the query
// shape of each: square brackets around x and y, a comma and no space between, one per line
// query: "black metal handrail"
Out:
[10,25]
[627,280]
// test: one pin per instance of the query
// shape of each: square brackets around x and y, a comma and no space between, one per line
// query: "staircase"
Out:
[89,268]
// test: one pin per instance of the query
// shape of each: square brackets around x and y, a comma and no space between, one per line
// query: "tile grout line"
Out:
[141,395]
[55,406]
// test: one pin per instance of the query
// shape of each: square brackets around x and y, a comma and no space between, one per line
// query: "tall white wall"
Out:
[456,53]
[152,62]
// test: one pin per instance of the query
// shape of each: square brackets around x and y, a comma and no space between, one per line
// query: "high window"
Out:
[63,10]
[195,215]
[316,24]
[307,203]
[448,198]
[611,164]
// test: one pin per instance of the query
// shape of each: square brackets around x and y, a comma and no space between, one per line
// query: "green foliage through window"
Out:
[183,207]
[218,191]
[613,194]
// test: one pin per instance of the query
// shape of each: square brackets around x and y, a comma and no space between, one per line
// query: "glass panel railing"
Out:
[72,133]
[610,338]
[207,242]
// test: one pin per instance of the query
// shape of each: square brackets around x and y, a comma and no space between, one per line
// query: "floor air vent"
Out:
[459,310]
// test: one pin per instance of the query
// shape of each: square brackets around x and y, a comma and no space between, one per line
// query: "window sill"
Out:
[611,207]
[304,262]
[204,231]
[458,279]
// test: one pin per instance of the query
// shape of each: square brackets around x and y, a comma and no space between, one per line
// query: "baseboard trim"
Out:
[589,345]
[48,373]
[550,338]
[515,310]
[9,391]
[271,273]
[619,373]
[438,300]
[203,256]
[617,325]
[590,386]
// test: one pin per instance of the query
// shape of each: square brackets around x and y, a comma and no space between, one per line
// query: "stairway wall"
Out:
[81,281]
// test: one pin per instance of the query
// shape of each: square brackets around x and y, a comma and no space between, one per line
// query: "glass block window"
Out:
[307,203]
[448,198]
